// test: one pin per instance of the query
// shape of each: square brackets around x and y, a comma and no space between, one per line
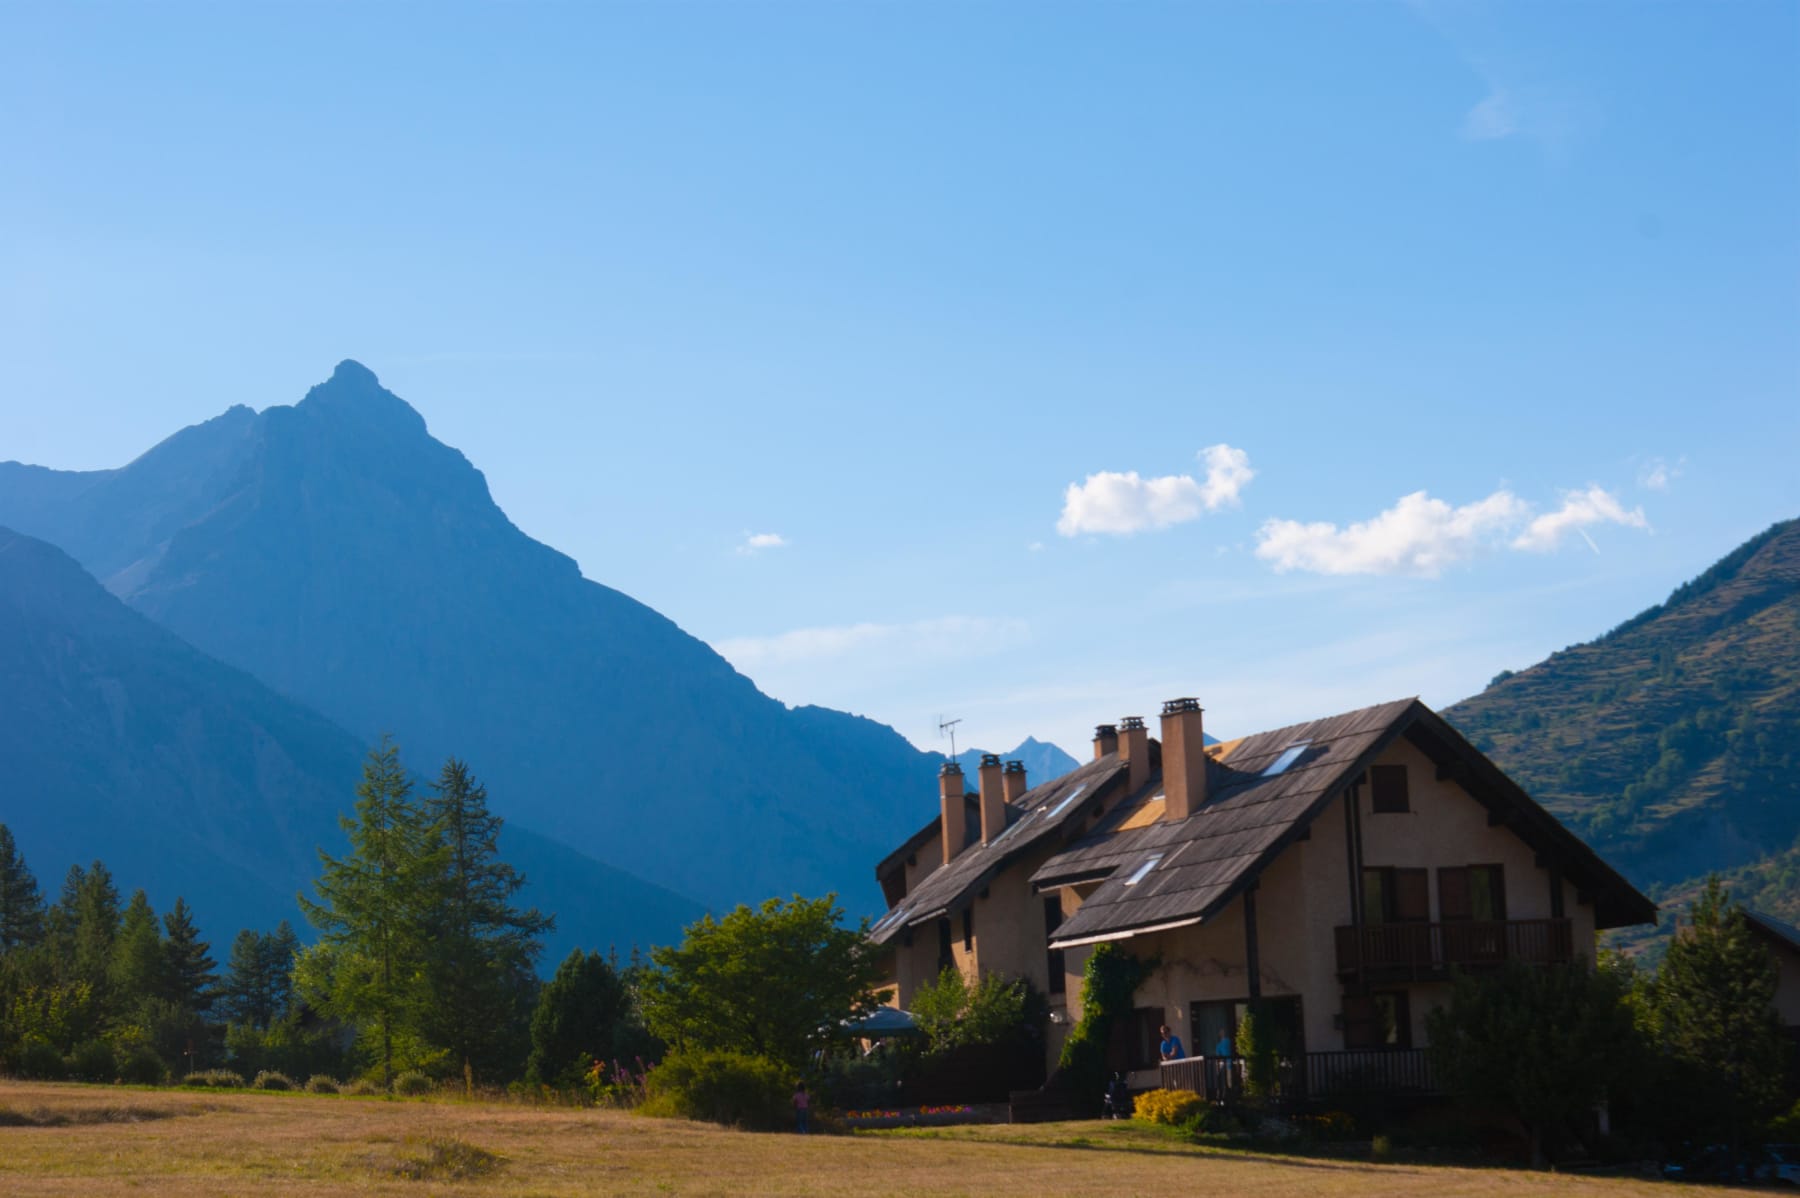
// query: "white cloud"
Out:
[1579,509]
[1423,536]
[756,542]
[1494,118]
[1120,504]
[1418,535]
[947,636]
[1657,474]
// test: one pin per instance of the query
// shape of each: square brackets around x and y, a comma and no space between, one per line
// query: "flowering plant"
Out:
[876,1114]
[613,1084]
[946,1110]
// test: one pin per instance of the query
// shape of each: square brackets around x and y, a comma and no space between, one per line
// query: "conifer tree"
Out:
[279,949]
[578,1019]
[139,967]
[1712,1006]
[21,906]
[190,970]
[481,947]
[91,903]
[369,908]
[244,992]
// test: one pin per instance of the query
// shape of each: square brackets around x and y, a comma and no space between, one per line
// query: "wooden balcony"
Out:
[1395,952]
[1310,1077]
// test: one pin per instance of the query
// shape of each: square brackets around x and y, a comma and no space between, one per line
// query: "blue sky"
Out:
[879,284]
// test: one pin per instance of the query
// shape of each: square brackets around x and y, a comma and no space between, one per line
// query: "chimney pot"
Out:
[953,821]
[1106,740]
[1134,749]
[1183,758]
[993,802]
[1012,781]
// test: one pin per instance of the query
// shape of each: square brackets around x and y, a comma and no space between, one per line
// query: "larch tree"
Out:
[139,965]
[368,969]
[480,947]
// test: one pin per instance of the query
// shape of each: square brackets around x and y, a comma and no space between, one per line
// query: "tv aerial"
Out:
[948,728]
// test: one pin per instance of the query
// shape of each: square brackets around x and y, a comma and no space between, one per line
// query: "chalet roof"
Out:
[1041,814]
[1774,928]
[1262,793]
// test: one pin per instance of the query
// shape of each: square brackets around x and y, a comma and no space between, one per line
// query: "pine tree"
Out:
[95,927]
[370,906]
[139,967]
[479,963]
[579,1017]
[244,992]
[1712,1006]
[21,907]
[190,970]
[279,949]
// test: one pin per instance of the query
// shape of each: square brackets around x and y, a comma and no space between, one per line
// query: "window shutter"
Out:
[1453,893]
[1387,789]
[1412,895]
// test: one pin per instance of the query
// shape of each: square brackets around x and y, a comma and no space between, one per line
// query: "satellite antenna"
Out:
[948,727]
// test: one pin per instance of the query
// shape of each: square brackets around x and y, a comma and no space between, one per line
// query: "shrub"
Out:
[1109,983]
[360,1088]
[142,1067]
[412,1084]
[217,1079]
[93,1061]
[41,1062]
[320,1083]
[1214,1121]
[1381,1149]
[270,1079]
[1173,1107]
[720,1087]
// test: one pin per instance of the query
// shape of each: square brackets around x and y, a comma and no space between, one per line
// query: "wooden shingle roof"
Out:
[1261,796]
[1041,814]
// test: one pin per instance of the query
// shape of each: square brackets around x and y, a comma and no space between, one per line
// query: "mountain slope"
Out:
[343,556]
[1043,761]
[1670,743]
[123,743]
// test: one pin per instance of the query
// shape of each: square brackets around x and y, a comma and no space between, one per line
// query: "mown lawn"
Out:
[82,1140]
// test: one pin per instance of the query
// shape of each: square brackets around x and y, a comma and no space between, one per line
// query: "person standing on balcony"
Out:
[1171,1048]
[1223,1047]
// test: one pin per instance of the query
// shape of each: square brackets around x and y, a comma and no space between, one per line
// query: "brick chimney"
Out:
[1012,782]
[1134,748]
[950,802]
[1106,740]
[1183,759]
[993,802]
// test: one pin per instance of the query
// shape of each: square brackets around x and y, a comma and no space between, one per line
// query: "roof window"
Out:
[1137,875]
[1066,800]
[1288,756]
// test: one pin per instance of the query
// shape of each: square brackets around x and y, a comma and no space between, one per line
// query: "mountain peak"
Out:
[354,391]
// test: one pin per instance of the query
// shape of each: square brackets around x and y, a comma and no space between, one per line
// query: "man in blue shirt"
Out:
[1170,1047]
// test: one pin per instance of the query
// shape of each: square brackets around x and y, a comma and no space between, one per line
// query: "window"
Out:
[1392,895]
[1475,892]
[1379,1020]
[968,929]
[946,959]
[1137,1041]
[1220,1018]
[1288,756]
[1053,917]
[1066,800]
[1387,789]
[1137,875]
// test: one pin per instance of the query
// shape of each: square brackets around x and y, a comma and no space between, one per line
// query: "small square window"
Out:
[1387,789]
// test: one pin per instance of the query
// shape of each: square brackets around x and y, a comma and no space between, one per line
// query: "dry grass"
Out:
[86,1141]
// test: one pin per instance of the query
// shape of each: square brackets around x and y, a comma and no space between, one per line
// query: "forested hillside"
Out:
[1671,743]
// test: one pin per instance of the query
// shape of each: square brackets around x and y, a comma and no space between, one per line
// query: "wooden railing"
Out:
[1309,1076]
[1424,950]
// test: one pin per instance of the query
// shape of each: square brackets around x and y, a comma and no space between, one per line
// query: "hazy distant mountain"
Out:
[1043,761]
[1672,742]
[344,557]
[119,741]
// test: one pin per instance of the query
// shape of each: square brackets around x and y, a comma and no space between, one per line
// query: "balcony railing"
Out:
[1307,1077]
[1420,951]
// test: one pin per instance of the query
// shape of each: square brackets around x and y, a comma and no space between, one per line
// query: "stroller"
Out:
[1117,1103]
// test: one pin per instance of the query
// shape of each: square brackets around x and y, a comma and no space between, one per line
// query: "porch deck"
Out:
[1310,1077]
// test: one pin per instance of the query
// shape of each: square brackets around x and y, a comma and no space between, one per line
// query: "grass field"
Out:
[82,1140]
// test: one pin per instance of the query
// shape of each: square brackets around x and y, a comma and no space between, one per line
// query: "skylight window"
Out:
[1137,875]
[1066,800]
[1288,756]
